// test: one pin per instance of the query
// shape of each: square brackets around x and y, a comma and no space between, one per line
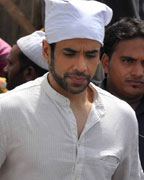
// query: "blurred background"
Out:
[21,17]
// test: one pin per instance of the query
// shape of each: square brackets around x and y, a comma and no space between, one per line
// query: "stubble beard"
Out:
[61,81]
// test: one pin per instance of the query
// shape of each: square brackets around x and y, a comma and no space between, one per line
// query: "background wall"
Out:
[33,10]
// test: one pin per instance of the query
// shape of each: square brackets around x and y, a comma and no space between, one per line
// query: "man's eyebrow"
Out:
[70,50]
[93,51]
[127,57]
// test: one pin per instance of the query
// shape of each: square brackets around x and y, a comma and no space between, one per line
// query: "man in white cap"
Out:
[61,126]
[25,61]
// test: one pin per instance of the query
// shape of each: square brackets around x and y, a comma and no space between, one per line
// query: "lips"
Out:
[136,81]
[77,79]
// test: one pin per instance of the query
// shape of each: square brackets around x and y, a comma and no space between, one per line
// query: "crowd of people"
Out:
[72,96]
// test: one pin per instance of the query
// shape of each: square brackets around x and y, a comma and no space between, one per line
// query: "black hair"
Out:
[124,29]
[26,62]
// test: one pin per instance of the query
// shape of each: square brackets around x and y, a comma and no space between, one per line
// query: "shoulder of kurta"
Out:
[117,107]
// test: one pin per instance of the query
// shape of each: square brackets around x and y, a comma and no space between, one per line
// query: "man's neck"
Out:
[82,98]
[133,101]
[81,105]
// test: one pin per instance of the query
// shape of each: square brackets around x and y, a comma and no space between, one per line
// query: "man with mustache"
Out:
[61,126]
[25,61]
[123,63]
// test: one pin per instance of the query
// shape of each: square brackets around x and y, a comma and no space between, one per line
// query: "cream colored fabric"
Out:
[38,137]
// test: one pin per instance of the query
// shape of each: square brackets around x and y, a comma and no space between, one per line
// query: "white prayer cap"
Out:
[69,19]
[31,46]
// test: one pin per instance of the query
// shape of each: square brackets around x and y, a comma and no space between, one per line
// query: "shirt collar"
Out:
[53,94]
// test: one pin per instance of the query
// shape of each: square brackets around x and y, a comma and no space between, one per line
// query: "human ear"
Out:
[46,50]
[105,63]
[29,73]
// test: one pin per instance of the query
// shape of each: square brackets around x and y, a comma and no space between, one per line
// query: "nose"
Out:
[80,64]
[138,70]
[5,69]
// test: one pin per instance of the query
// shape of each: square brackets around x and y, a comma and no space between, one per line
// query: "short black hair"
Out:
[26,62]
[124,29]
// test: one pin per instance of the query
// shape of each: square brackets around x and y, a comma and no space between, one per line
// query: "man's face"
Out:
[14,76]
[125,70]
[74,64]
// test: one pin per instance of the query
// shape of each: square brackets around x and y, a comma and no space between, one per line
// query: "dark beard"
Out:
[62,80]
[17,80]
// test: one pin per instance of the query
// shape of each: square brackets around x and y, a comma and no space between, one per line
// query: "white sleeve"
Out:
[130,166]
[2,139]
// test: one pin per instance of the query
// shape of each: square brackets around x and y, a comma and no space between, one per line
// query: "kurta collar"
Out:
[53,94]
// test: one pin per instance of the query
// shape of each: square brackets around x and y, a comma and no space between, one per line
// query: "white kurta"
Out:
[39,141]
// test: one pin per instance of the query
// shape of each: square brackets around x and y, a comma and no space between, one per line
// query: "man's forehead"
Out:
[14,51]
